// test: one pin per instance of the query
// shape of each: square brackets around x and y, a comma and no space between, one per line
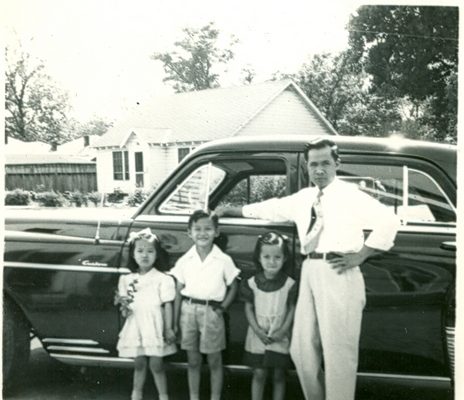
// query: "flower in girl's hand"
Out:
[125,301]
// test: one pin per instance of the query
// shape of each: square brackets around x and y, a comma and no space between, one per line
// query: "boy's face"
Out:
[203,232]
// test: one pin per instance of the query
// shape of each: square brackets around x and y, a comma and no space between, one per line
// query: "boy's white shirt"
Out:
[207,279]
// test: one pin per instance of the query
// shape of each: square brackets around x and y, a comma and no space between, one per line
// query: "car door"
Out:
[222,179]
[410,288]
[64,280]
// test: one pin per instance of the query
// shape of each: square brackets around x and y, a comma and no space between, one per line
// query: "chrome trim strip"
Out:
[61,267]
[70,341]
[405,377]
[223,221]
[429,229]
[110,360]
[92,358]
[438,228]
[78,349]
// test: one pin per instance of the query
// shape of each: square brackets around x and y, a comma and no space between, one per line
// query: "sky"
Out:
[99,51]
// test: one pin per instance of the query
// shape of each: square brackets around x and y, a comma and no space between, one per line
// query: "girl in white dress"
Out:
[270,297]
[145,298]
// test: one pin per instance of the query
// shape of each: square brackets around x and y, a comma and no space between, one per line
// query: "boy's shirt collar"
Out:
[215,252]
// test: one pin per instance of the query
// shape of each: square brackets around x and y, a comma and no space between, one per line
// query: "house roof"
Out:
[49,158]
[77,147]
[16,146]
[202,115]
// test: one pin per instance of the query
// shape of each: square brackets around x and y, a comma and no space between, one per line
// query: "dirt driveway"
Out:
[48,379]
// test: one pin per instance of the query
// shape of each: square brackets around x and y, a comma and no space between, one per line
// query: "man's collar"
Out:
[330,187]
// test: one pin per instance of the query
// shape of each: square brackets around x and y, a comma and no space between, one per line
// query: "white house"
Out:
[81,147]
[143,149]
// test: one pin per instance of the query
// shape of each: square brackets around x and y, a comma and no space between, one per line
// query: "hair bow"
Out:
[145,234]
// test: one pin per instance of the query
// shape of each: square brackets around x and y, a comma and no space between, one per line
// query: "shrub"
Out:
[78,198]
[116,196]
[17,197]
[94,197]
[136,198]
[40,188]
[50,199]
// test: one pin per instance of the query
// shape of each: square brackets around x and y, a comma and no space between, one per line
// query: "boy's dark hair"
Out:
[321,143]
[272,238]
[200,214]
[161,262]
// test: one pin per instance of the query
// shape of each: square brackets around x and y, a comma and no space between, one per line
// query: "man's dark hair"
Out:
[200,214]
[321,143]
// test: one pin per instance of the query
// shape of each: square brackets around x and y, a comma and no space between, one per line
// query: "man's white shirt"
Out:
[347,212]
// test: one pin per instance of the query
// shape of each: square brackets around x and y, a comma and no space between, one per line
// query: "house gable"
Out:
[287,114]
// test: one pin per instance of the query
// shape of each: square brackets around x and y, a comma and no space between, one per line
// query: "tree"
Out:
[341,92]
[195,62]
[95,126]
[35,108]
[411,52]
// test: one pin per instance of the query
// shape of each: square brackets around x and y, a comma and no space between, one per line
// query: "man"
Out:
[330,218]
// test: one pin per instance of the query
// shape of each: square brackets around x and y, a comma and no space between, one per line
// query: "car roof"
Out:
[443,155]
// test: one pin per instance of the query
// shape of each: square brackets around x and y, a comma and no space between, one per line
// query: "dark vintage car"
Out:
[60,274]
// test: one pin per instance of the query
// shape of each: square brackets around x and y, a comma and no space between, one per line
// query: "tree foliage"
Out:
[411,52]
[341,92]
[95,126]
[195,63]
[35,108]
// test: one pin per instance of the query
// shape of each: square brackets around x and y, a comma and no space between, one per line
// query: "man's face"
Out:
[322,167]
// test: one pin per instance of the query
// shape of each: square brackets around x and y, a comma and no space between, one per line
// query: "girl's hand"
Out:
[218,310]
[277,335]
[264,337]
[169,336]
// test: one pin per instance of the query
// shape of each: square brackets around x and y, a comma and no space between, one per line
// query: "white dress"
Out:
[142,333]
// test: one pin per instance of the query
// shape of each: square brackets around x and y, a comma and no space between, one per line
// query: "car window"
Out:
[193,193]
[255,188]
[227,181]
[414,195]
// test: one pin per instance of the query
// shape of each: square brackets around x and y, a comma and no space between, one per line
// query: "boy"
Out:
[206,286]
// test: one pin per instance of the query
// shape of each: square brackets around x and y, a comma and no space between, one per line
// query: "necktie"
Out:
[315,227]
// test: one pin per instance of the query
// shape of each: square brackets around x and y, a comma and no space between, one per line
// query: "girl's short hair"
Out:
[161,261]
[272,238]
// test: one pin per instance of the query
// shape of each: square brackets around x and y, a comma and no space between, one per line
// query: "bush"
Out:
[40,188]
[117,196]
[17,197]
[94,197]
[78,198]
[136,198]
[50,199]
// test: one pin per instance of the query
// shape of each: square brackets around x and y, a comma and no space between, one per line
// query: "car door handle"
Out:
[448,246]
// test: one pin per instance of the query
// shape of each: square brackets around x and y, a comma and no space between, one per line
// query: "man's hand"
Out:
[228,211]
[345,261]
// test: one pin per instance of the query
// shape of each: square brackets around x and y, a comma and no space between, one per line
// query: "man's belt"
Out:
[191,300]
[322,256]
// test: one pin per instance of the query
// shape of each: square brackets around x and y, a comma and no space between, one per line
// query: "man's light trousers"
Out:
[327,327]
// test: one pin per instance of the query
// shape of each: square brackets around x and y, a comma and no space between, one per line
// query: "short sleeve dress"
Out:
[142,333]
[271,299]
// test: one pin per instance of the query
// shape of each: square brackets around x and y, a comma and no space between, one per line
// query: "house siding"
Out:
[286,115]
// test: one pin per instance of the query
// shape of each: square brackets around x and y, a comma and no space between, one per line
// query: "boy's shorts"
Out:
[202,329]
